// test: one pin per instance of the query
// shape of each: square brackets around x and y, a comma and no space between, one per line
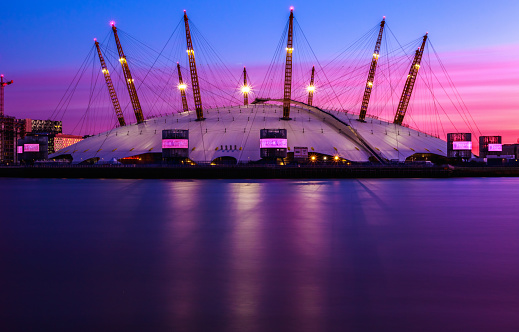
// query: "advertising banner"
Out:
[273,143]
[31,147]
[495,147]
[462,145]
[175,144]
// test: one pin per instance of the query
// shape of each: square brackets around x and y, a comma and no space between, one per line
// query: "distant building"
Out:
[32,148]
[459,145]
[490,146]
[11,129]
[62,141]
[510,151]
[43,126]
[48,128]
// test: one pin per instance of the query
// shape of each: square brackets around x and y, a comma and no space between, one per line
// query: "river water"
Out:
[268,255]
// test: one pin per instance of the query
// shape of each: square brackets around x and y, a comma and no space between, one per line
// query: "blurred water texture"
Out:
[272,255]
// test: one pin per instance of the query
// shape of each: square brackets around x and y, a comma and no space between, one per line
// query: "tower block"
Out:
[409,84]
[288,68]
[182,87]
[194,74]
[110,85]
[371,75]
[311,88]
[130,82]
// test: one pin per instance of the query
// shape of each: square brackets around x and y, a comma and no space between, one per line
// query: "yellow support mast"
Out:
[182,87]
[371,75]
[245,89]
[288,67]
[110,85]
[130,82]
[311,88]
[409,84]
[194,74]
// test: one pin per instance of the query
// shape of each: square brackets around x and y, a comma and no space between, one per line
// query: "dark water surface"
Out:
[273,255]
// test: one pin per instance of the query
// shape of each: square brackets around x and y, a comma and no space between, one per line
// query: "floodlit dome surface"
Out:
[235,132]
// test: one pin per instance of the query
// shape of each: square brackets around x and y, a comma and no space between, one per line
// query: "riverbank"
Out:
[251,172]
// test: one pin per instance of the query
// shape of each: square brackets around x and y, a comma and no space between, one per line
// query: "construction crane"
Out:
[371,75]
[130,84]
[245,89]
[311,88]
[3,84]
[288,67]
[194,74]
[110,85]
[182,87]
[409,84]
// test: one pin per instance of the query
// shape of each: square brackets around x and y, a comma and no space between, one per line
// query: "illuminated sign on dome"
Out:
[273,143]
[175,144]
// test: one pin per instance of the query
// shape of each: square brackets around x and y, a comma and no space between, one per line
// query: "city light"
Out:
[336,158]
[245,89]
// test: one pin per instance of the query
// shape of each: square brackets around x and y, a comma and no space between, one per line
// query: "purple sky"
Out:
[44,43]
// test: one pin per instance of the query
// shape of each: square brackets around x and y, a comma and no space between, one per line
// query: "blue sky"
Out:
[40,35]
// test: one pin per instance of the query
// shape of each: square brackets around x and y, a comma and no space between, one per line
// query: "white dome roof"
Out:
[325,132]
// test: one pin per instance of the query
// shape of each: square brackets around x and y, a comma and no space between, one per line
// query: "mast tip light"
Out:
[112,23]
[245,89]
[291,8]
